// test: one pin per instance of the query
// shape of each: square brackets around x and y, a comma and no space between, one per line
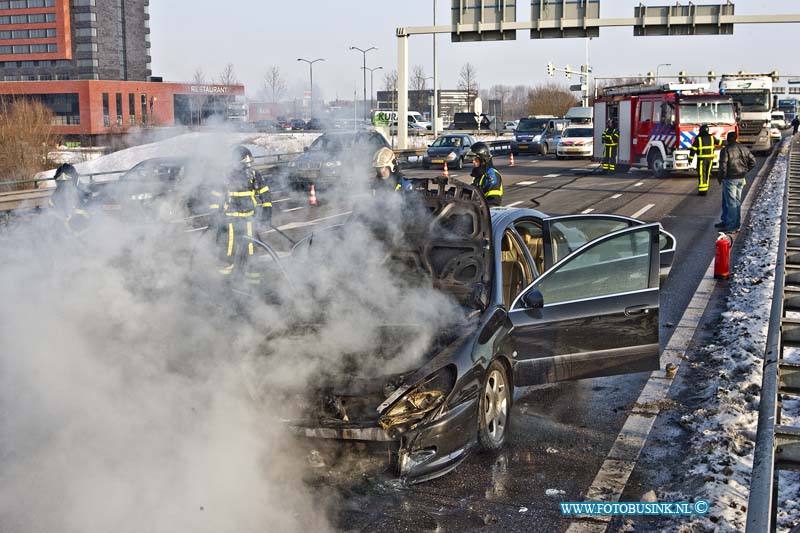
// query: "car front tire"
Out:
[544,149]
[460,163]
[494,407]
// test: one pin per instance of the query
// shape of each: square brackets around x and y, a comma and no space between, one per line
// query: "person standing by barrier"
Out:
[70,199]
[610,147]
[795,124]
[735,162]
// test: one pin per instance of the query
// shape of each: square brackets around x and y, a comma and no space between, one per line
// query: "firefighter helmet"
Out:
[385,158]
[704,130]
[480,151]
[242,157]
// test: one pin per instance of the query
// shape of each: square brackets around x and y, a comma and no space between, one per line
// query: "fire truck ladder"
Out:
[648,88]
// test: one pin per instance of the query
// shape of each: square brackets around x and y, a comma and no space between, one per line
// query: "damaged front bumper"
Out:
[430,449]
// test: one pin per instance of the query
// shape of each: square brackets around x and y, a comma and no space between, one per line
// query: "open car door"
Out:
[594,313]
[565,234]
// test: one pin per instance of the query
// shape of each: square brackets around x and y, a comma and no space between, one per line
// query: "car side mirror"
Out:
[533,299]
[430,145]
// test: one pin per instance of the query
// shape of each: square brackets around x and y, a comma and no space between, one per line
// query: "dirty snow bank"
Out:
[724,430]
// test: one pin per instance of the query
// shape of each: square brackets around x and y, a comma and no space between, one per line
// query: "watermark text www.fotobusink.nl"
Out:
[633,508]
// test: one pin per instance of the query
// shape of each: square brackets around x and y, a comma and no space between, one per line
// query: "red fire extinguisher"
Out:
[722,258]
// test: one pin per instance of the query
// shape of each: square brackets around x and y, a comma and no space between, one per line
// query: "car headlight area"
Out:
[419,401]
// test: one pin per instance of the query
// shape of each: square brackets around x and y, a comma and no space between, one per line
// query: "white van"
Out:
[390,117]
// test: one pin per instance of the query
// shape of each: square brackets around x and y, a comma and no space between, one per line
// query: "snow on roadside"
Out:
[724,430]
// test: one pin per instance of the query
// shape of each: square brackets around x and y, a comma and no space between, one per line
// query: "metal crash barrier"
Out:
[778,446]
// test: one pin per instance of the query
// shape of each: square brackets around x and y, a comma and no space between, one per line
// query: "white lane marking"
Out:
[515,204]
[613,476]
[525,183]
[295,225]
[614,197]
[292,209]
[552,175]
[643,210]
[639,184]
[587,211]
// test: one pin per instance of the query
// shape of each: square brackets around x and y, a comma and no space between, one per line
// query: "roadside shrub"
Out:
[26,135]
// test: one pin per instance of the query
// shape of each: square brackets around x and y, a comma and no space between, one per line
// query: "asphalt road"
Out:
[560,434]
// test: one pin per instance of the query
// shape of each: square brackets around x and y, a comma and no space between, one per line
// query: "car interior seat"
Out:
[512,270]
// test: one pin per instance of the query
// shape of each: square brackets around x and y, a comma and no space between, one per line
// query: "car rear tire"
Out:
[656,164]
[494,407]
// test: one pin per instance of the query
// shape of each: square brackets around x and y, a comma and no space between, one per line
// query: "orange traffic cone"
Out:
[511,161]
[312,196]
[445,172]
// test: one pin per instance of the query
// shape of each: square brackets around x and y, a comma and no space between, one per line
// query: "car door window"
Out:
[619,264]
[516,272]
[532,237]
[568,235]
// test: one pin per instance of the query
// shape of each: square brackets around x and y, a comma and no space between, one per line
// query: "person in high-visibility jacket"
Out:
[234,210]
[704,147]
[610,147]
[70,199]
[386,166]
[484,175]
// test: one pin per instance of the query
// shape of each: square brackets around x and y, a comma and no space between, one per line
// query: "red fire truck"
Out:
[658,123]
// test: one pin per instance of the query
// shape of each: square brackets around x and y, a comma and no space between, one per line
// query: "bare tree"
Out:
[390,82]
[550,99]
[228,76]
[26,135]
[274,85]
[467,81]
[419,84]
[200,99]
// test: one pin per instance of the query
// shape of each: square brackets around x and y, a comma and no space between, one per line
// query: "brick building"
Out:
[74,40]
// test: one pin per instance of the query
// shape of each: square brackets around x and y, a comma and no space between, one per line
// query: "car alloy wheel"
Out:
[460,163]
[495,407]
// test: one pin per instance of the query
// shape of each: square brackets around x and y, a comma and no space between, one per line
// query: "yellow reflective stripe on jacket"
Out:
[240,194]
[495,192]
[241,214]
[214,206]
[266,204]
[263,189]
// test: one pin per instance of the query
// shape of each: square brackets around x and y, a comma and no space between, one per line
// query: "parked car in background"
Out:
[576,141]
[298,124]
[451,147]
[335,158]
[266,126]
[545,299]
[472,121]
[510,125]
[775,135]
[315,124]
[538,135]
[284,125]
[413,129]
[779,120]
[580,115]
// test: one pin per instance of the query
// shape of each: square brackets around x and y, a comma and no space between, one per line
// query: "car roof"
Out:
[503,216]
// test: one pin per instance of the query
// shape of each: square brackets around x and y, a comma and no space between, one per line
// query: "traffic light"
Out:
[551,69]
[651,77]
[712,76]
[683,76]
[567,72]
[776,76]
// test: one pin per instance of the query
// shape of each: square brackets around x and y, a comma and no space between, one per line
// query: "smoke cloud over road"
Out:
[141,392]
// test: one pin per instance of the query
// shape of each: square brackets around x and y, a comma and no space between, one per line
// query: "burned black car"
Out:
[545,299]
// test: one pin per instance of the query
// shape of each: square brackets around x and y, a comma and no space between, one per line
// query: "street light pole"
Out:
[311,82]
[364,52]
[371,84]
[434,118]
[659,66]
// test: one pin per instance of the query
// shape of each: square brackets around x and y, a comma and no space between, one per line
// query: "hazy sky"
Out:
[257,34]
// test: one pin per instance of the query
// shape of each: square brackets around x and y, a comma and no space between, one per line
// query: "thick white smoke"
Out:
[139,393]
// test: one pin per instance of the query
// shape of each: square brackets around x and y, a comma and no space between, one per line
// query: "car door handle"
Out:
[637,310]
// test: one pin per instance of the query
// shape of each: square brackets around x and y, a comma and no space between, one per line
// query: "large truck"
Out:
[789,108]
[753,96]
[658,123]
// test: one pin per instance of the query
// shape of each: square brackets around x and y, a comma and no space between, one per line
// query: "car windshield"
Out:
[753,102]
[447,142]
[777,116]
[532,125]
[707,113]
[327,143]
[578,132]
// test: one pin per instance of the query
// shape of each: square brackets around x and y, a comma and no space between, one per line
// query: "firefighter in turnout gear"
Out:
[610,147]
[245,194]
[69,200]
[386,166]
[484,175]
[703,148]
